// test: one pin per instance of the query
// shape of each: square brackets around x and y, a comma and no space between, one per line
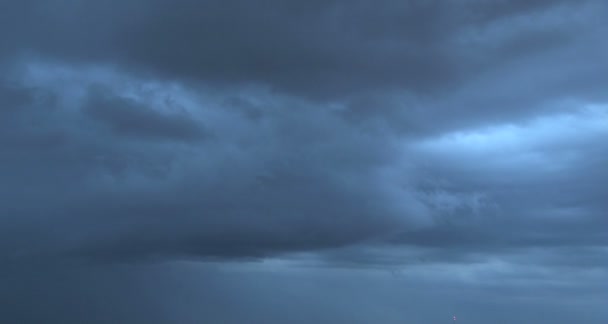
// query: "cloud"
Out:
[246,192]
[322,50]
[125,116]
[459,146]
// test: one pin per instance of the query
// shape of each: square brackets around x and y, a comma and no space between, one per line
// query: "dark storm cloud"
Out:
[318,49]
[247,192]
[460,144]
[317,161]
[127,117]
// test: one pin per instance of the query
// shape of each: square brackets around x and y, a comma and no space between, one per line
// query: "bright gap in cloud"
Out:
[552,142]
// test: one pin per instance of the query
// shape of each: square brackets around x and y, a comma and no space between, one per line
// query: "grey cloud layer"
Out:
[142,174]
[256,187]
[458,142]
[326,49]
[126,117]
[291,178]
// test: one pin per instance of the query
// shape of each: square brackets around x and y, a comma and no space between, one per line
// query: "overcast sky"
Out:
[313,161]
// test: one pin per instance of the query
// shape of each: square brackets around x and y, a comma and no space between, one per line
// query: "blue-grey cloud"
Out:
[457,148]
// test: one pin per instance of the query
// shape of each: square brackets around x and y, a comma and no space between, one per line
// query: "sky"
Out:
[282,161]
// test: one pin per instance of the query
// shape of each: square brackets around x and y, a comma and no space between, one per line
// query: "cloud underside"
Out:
[452,132]
[335,161]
